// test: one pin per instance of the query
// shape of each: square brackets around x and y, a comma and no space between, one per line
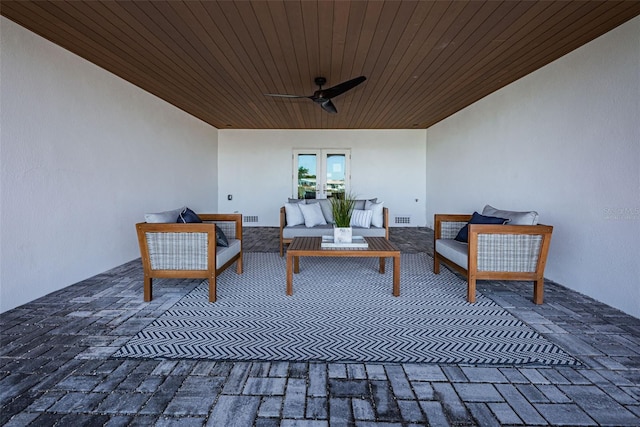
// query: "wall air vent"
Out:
[250,218]
[402,220]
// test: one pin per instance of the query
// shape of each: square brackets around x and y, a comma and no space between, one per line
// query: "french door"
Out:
[321,173]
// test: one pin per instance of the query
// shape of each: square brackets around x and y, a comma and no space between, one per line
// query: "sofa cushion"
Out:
[163,217]
[377,218]
[454,251]
[325,205]
[463,234]
[327,230]
[514,217]
[221,239]
[187,216]
[359,204]
[293,214]
[361,218]
[290,200]
[304,231]
[312,214]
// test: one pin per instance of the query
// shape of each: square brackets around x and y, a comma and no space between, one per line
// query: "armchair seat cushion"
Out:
[224,254]
[454,250]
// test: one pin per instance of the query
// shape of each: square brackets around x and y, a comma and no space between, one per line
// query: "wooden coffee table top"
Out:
[311,246]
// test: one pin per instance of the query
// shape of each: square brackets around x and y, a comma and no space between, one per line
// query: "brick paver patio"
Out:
[55,367]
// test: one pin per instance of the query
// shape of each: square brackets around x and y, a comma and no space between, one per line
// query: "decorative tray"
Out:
[357,242]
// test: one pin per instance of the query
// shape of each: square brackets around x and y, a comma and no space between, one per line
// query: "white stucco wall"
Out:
[84,155]
[564,141]
[255,166]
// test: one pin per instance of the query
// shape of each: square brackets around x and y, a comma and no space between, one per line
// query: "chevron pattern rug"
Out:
[342,309]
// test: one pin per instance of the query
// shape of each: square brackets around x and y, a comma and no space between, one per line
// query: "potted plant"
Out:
[342,207]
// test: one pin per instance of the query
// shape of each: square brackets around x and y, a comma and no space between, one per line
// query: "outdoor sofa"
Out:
[313,218]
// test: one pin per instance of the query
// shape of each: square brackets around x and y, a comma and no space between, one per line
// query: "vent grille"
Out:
[403,220]
[250,218]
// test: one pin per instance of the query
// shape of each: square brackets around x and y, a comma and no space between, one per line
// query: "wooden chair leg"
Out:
[212,288]
[471,289]
[281,248]
[239,265]
[436,264]
[147,289]
[538,291]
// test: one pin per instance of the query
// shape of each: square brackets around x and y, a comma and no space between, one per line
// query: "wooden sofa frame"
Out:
[208,227]
[283,224]
[476,232]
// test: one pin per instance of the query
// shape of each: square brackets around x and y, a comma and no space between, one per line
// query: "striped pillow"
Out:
[361,218]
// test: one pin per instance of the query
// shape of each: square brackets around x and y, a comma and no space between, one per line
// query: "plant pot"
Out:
[342,234]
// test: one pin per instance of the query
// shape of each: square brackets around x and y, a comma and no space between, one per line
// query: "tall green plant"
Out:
[342,208]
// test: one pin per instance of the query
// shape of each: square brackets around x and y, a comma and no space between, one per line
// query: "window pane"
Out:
[307,176]
[336,164]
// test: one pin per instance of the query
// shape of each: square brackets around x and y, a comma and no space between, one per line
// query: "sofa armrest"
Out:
[509,248]
[283,218]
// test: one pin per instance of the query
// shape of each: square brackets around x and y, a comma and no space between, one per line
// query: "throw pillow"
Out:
[463,234]
[514,217]
[325,205]
[377,219]
[163,217]
[312,214]
[293,214]
[221,239]
[359,203]
[361,218]
[188,216]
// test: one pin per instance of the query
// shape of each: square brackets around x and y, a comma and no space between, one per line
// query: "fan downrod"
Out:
[320,81]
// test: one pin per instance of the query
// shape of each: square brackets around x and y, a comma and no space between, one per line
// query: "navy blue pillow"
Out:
[188,216]
[463,234]
[221,239]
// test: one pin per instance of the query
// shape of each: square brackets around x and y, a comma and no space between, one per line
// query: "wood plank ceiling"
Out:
[424,60]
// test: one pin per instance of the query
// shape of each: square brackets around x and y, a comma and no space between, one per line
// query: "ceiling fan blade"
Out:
[329,107]
[342,87]
[280,95]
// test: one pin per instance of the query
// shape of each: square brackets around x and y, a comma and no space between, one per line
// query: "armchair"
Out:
[173,250]
[498,252]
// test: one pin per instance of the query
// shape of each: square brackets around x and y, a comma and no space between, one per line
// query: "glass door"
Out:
[320,173]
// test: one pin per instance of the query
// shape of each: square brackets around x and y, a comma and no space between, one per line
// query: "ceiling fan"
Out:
[323,96]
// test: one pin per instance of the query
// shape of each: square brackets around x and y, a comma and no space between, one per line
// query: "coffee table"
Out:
[379,247]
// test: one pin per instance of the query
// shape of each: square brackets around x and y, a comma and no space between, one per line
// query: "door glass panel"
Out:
[307,173]
[335,174]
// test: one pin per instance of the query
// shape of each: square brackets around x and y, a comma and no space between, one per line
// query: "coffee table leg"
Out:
[382,264]
[396,276]
[289,275]
[296,264]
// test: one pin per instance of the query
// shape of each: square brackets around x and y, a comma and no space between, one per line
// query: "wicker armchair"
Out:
[190,250]
[493,252]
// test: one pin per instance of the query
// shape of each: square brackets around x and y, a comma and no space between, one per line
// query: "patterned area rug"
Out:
[342,309]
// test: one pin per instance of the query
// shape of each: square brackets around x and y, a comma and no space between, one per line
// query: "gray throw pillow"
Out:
[312,214]
[293,214]
[377,217]
[163,217]
[514,217]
